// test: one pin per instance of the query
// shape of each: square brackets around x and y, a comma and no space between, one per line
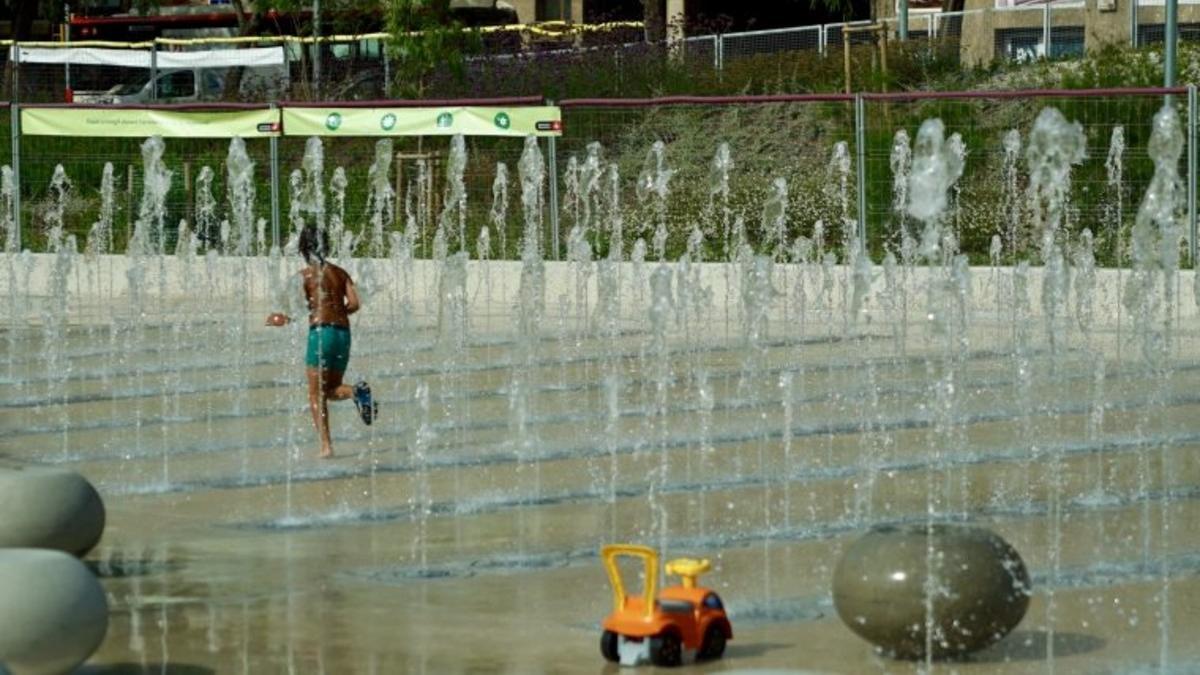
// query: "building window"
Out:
[1152,33]
[1026,44]
[553,10]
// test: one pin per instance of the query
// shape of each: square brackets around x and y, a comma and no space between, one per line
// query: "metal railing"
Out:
[1049,30]
[848,141]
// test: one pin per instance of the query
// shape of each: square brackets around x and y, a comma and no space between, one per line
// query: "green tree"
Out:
[334,16]
[843,7]
[23,13]
[425,39]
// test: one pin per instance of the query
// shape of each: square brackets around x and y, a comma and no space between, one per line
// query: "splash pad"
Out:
[762,412]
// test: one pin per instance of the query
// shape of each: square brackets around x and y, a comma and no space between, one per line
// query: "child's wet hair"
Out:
[314,243]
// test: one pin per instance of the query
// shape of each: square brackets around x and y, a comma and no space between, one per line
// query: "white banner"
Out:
[138,58]
[222,58]
[85,56]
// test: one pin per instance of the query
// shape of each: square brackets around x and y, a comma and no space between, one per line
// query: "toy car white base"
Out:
[633,652]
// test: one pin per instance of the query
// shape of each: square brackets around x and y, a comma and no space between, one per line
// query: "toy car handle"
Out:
[649,556]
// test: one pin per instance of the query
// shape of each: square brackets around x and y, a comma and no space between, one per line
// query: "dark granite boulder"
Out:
[884,592]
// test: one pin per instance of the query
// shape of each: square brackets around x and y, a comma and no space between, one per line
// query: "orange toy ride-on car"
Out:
[645,628]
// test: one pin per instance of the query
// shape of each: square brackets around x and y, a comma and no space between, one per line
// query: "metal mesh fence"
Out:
[1065,27]
[659,170]
[108,175]
[87,83]
[821,169]
[705,49]
[1020,33]
[949,25]
[358,68]
[920,26]
[46,83]
[6,75]
[795,139]
[835,32]
[601,71]
[737,45]
[419,183]
[348,71]
[1151,27]
[989,200]
[5,135]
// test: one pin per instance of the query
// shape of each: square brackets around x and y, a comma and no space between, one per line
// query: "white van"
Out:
[193,85]
[174,86]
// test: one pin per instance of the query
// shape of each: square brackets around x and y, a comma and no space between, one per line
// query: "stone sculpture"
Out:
[53,612]
[49,508]
[884,591]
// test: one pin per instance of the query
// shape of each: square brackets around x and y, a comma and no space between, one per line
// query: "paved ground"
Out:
[460,532]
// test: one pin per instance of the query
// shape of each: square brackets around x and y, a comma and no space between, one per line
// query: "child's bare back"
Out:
[331,295]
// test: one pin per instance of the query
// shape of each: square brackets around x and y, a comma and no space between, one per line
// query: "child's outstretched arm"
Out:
[291,298]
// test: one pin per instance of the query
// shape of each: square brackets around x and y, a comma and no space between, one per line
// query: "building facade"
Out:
[530,11]
[1028,29]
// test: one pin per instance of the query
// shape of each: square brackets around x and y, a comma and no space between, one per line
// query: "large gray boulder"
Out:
[881,589]
[49,508]
[53,612]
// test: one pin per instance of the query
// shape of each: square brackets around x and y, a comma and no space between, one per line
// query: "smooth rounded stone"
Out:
[49,508]
[53,612]
[879,589]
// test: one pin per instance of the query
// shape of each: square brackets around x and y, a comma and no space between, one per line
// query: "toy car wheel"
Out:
[666,649]
[713,645]
[608,646]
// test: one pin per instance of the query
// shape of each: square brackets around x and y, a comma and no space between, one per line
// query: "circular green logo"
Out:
[333,121]
[387,122]
[445,120]
[502,120]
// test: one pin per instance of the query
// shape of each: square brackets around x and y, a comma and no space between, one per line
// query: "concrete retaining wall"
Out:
[101,287]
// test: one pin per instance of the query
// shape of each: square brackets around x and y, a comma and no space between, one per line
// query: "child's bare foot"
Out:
[326,453]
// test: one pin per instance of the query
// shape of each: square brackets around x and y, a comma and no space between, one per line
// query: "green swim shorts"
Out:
[328,347]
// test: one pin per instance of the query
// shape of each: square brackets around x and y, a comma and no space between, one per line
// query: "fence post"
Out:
[316,58]
[718,51]
[287,69]
[1046,30]
[14,124]
[1191,175]
[274,144]
[860,149]
[1170,40]
[66,32]
[16,73]
[387,71]
[154,70]
[1133,23]
[846,55]
[552,152]
[821,39]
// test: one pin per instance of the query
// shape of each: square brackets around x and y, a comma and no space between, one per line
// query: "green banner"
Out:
[473,121]
[141,123]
